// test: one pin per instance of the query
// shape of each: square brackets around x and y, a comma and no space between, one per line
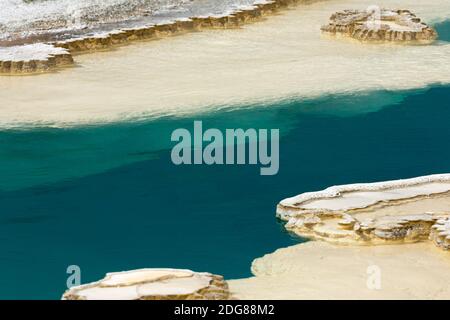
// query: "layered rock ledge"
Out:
[153,284]
[377,24]
[374,213]
[23,60]
[33,58]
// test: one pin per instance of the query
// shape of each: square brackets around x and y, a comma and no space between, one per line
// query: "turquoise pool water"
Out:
[108,198]
[443,29]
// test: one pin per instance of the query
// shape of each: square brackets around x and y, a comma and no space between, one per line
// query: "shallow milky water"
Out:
[108,198]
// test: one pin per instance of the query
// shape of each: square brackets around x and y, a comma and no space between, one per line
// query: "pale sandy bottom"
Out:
[282,57]
[319,270]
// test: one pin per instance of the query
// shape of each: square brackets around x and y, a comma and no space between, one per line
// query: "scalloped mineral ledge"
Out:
[386,25]
[153,284]
[21,59]
[374,213]
[32,58]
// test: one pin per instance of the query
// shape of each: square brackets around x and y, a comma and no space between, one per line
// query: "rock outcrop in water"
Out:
[153,284]
[106,40]
[380,25]
[349,213]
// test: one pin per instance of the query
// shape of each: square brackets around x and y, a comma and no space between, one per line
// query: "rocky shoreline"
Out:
[394,26]
[103,41]
[376,222]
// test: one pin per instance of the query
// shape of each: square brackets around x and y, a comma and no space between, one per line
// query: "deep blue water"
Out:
[108,198]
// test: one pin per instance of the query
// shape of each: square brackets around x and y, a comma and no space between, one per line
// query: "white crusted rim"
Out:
[297,202]
[36,51]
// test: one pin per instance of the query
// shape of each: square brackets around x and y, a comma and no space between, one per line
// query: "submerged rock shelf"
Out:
[29,64]
[153,284]
[380,25]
